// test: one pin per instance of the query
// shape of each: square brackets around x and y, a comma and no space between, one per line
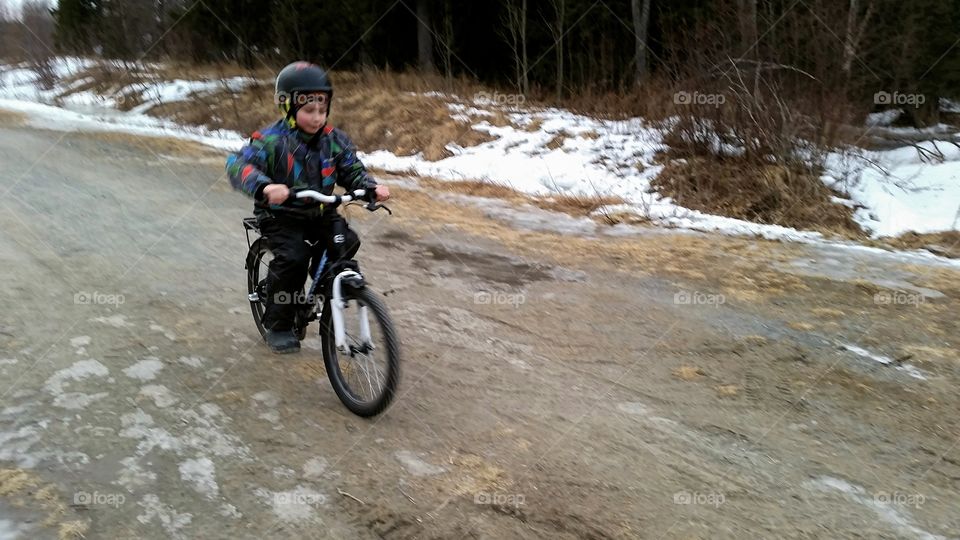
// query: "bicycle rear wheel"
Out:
[258,265]
[366,379]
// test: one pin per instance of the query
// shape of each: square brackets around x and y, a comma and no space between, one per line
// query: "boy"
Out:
[299,151]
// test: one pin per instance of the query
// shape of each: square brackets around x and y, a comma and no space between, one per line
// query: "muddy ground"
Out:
[561,379]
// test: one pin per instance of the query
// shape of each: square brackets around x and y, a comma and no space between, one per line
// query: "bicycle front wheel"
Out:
[366,378]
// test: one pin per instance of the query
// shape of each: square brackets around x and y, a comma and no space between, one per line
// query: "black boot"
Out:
[282,341]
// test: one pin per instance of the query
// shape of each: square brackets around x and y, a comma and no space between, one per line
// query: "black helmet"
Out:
[300,78]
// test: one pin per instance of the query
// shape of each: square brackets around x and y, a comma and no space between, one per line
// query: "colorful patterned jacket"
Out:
[279,154]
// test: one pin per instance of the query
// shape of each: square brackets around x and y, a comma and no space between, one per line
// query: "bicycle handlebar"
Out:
[336,200]
[331,199]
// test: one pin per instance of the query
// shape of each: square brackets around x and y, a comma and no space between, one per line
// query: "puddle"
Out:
[849,266]
[487,266]
[880,503]
[394,236]
[909,369]
[416,466]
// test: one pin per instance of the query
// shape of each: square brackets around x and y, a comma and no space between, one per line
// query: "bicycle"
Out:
[337,296]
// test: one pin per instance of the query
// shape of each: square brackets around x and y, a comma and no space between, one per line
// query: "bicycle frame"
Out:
[337,304]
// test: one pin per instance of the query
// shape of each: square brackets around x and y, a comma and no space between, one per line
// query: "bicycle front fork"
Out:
[337,306]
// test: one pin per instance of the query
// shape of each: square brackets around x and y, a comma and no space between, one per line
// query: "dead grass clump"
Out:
[403,123]
[476,188]
[945,244]
[576,205]
[245,111]
[557,140]
[12,118]
[758,192]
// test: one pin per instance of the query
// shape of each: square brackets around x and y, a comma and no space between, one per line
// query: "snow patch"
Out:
[416,466]
[132,475]
[80,370]
[172,521]
[167,334]
[266,397]
[885,511]
[909,369]
[230,511]
[199,473]
[293,506]
[144,370]
[116,321]
[77,400]
[192,361]
[315,467]
[161,395]
[196,433]
[911,193]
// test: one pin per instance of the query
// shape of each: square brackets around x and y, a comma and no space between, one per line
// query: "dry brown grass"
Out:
[688,373]
[12,118]
[727,390]
[945,244]
[110,81]
[577,205]
[379,116]
[380,111]
[71,530]
[762,193]
[159,145]
[476,188]
[557,140]
[574,205]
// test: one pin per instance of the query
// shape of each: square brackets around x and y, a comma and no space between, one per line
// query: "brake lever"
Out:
[373,206]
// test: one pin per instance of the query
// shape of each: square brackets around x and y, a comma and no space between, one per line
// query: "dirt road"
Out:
[558,383]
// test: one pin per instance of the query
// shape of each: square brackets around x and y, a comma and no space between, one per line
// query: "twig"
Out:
[345,494]
[405,494]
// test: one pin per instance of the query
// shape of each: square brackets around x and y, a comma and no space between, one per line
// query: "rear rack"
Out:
[250,224]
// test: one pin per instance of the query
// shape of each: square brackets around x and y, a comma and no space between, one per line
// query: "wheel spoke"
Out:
[362,383]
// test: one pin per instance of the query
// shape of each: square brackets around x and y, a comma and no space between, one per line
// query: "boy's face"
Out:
[313,114]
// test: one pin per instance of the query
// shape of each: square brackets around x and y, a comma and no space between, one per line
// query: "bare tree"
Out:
[747,14]
[641,20]
[446,40]
[557,29]
[516,25]
[37,40]
[424,37]
[856,25]
[287,30]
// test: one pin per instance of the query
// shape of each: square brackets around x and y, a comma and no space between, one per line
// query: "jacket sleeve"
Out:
[351,174]
[247,166]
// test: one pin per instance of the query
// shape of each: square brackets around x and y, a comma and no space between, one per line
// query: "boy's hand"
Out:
[276,193]
[383,193]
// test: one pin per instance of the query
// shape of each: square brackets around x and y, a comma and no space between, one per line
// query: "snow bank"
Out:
[912,194]
[592,157]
